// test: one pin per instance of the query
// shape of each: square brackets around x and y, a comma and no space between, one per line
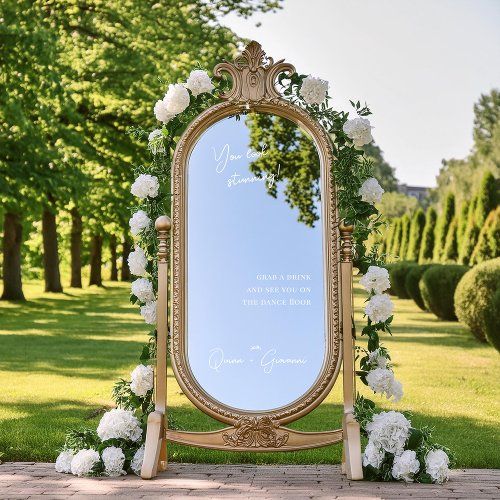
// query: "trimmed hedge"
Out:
[397,275]
[477,301]
[437,287]
[412,284]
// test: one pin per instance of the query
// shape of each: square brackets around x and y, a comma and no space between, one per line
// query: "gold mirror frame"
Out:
[253,76]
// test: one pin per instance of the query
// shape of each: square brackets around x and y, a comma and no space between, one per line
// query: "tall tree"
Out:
[396,241]
[450,249]
[443,223]
[470,236]
[416,231]
[427,246]
[405,235]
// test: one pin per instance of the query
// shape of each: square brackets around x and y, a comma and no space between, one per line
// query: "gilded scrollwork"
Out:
[256,432]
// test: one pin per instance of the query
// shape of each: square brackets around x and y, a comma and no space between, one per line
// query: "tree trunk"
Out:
[114,267]
[96,260]
[127,246]
[50,252]
[12,240]
[76,248]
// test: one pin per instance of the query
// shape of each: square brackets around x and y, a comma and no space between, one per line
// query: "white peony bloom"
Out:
[371,191]
[119,424]
[176,99]
[313,90]
[161,112]
[373,455]
[142,380]
[405,466]
[437,465]
[199,82]
[145,185]
[148,312]
[376,279]
[377,359]
[381,381]
[379,308]
[389,431]
[359,131]
[83,462]
[113,459]
[137,262]
[138,222]
[142,288]
[155,141]
[63,461]
[136,463]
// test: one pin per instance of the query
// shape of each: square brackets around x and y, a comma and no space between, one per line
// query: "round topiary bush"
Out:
[412,284]
[397,275]
[477,300]
[437,287]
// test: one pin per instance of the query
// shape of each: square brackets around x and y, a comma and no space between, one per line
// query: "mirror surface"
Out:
[256,335]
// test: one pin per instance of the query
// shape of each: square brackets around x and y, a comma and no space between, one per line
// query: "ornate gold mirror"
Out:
[256,304]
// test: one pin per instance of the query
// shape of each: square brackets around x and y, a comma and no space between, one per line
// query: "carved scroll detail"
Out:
[256,432]
[253,75]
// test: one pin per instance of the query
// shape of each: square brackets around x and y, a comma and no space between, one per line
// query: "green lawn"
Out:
[61,353]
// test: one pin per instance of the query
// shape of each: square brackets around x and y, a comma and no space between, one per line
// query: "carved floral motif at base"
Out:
[256,432]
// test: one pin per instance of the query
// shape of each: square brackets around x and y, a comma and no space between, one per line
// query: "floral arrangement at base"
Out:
[395,450]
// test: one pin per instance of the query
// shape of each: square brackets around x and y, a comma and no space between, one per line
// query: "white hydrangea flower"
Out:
[389,430]
[379,308]
[381,381]
[113,459]
[405,466]
[199,82]
[145,185]
[376,279]
[141,380]
[136,463]
[161,112]
[138,222]
[142,288]
[63,461]
[155,141]
[84,461]
[373,455]
[148,312]
[313,90]
[359,131]
[119,424]
[137,262]
[377,359]
[437,466]
[176,99]
[371,191]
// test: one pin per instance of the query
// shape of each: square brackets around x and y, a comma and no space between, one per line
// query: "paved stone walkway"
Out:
[39,480]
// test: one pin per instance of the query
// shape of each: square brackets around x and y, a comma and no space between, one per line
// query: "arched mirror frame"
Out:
[277,106]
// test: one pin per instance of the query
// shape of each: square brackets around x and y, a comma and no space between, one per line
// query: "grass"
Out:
[61,353]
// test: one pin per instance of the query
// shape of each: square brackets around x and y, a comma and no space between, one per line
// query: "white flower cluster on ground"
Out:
[145,185]
[63,461]
[138,222]
[113,459]
[148,312]
[142,288]
[141,380]
[389,431]
[119,424]
[405,466]
[437,465]
[137,262]
[136,463]
[313,90]
[371,191]
[84,461]
[379,308]
[359,131]
[376,279]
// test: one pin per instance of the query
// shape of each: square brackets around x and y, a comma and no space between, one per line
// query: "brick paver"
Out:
[39,480]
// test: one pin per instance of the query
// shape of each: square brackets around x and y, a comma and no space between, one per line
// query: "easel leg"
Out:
[153,445]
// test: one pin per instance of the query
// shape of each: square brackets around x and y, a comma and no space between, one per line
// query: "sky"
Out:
[420,66]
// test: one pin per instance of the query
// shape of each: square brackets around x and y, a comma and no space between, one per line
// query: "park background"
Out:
[75,78]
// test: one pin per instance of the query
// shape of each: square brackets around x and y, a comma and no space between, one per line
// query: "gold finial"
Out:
[346,242]
[163,225]
[253,75]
